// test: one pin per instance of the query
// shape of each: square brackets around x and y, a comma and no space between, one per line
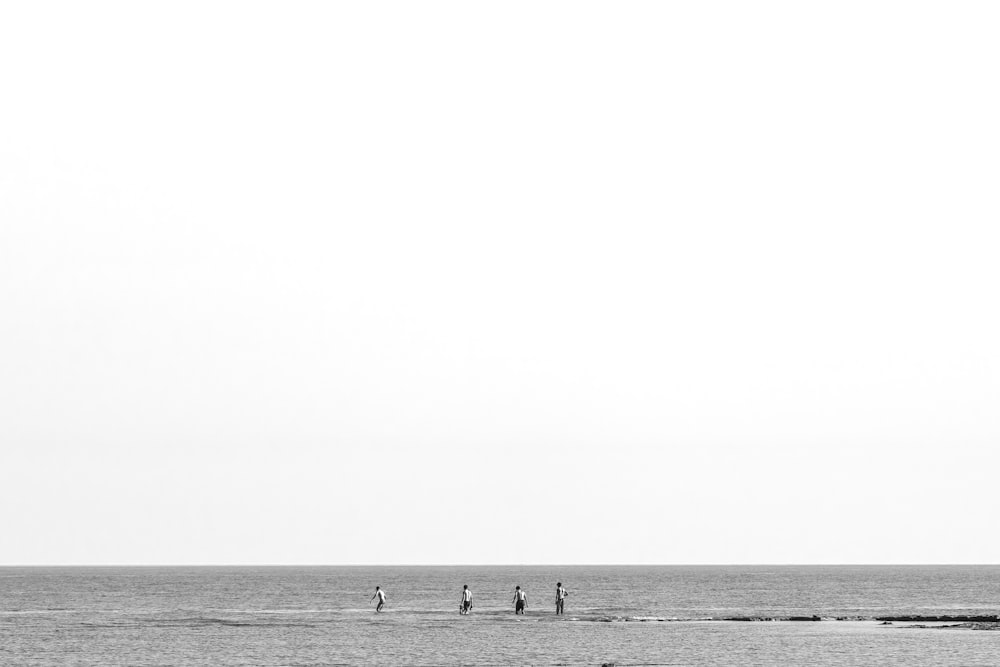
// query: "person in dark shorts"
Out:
[380,594]
[560,598]
[466,600]
[520,600]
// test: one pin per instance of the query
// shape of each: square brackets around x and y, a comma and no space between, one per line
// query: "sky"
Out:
[499,282]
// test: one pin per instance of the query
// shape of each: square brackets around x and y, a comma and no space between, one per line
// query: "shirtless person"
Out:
[466,600]
[560,598]
[380,594]
[520,601]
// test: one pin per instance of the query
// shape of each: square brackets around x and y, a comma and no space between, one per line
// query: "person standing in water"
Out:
[560,598]
[380,594]
[520,601]
[466,600]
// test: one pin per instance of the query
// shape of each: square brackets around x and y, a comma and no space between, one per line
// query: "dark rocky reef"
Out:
[771,618]
[940,619]
[962,626]
[885,620]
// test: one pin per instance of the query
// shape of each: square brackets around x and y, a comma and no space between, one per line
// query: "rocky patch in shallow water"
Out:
[941,619]
[962,626]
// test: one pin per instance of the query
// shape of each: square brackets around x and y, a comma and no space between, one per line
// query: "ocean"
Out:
[626,615]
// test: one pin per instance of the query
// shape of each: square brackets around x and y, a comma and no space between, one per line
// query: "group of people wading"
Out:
[465,606]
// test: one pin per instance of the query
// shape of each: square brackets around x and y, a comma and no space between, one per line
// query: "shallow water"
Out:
[321,615]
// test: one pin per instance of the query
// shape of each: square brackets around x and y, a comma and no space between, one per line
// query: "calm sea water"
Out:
[627,615]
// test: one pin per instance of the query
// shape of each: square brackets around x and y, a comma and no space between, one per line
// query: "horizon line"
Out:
[279,565]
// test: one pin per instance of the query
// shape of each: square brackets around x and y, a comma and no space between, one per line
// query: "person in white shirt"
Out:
[520,601]
[560,598]
[466,600]
[380,594]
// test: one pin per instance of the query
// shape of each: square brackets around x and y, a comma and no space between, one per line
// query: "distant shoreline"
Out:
[491,565]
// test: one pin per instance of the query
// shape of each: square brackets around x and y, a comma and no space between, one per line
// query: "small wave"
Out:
[286,611]
[191,621]
[325,617]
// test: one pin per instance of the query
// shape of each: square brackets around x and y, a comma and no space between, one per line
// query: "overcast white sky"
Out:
[511,282]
